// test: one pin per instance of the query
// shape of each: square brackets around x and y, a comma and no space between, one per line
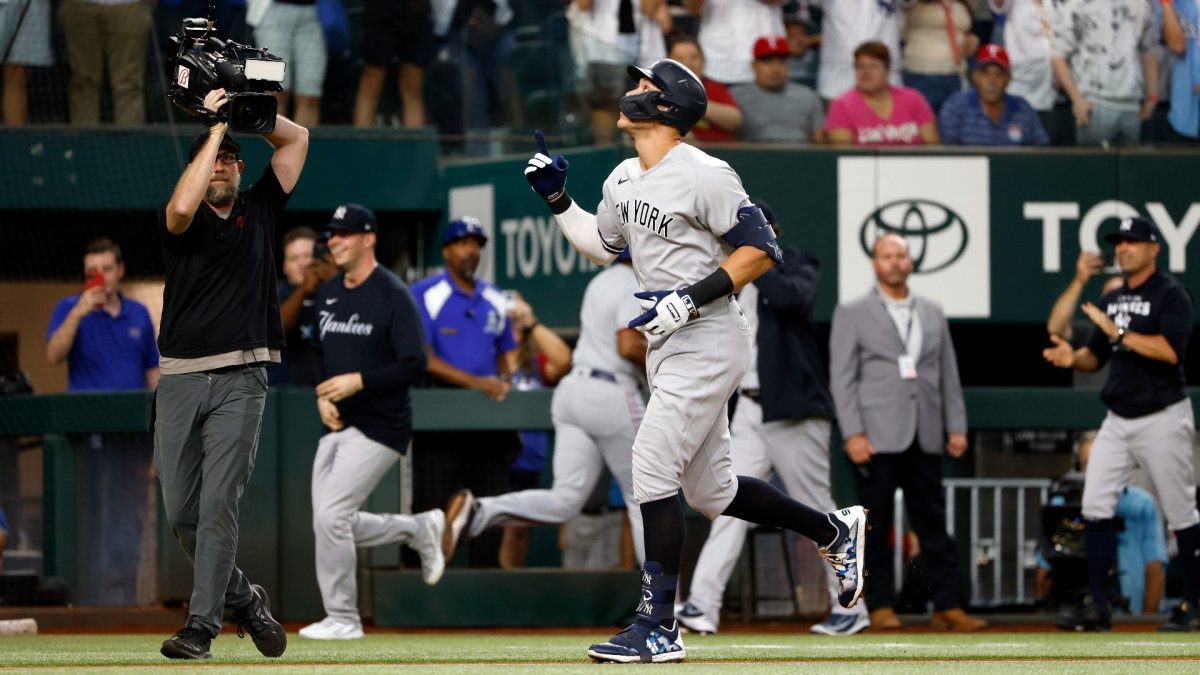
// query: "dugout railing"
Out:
[276,534]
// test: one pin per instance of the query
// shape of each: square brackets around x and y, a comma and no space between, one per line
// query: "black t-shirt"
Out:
[373,329]
[220,291]
[1136,385]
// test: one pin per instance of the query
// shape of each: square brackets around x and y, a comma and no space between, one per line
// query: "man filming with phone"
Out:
[221,326]
[105,338]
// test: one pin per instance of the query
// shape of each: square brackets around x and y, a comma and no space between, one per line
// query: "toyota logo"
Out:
[936,235]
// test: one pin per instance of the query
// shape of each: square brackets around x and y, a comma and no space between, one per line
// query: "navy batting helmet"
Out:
[682,94]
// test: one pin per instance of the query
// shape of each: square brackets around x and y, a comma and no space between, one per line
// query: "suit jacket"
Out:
[870,396]
[791,374]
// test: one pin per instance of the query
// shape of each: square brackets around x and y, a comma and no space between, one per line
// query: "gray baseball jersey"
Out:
[597,409]
[608,305]
[671,217]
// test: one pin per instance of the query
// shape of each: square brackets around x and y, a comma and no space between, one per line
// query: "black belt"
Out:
[752,394]
[597,373]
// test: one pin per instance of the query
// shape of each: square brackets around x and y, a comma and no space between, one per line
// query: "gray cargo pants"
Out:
[205,437]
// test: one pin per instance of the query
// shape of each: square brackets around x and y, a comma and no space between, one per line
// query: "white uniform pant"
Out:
[1162,443]
[795,450]
[595,422]
[684,439]
[347,468]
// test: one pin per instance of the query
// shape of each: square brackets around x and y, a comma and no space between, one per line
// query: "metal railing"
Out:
[1000,560]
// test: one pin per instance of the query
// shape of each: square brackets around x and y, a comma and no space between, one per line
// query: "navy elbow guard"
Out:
[752,229]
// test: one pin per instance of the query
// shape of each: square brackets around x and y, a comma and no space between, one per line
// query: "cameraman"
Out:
[220,326]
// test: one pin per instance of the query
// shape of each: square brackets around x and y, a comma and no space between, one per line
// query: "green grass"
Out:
[1009,653]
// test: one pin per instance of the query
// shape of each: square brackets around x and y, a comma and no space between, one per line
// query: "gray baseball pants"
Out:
[346,470]
[683,442]
[1162,443]
[594,426]
[205,438]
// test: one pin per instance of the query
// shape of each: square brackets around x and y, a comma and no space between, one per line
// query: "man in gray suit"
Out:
[899,403]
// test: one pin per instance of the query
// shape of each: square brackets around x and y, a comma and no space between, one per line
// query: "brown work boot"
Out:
[884,619]
[956,620]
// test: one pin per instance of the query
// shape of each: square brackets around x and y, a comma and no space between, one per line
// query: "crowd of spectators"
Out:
[1113,72]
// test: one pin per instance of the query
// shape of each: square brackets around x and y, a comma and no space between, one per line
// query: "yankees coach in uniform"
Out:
[220,327]
[370,350]
[1142,330]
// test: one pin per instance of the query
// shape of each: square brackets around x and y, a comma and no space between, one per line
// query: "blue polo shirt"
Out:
[466,331]
[1185,72]
[963,122]
[110,352]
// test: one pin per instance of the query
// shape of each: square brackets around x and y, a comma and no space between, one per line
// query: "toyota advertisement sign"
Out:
[939,205]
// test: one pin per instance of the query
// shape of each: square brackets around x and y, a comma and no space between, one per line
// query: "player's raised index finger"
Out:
[541,141]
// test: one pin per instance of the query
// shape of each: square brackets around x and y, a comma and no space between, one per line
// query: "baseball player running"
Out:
[695,239]
[781,425]
[1142,330]
[371,349]
[596,409]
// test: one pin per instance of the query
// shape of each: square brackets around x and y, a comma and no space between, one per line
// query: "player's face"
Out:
[1135,256]
[644,85]
[891,261]
[105,263]
[226,177]
[296,258]
[771,72]
[462,257]
[347,248]
[870,74]
[991,81]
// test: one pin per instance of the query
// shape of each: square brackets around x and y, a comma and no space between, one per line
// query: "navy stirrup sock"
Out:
[662,532]
[757,501]
[1189,559]
[1100,543]
[657,606]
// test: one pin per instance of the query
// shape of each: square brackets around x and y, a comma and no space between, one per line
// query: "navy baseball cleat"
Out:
[255,619]
[641,644]
[189,643]
[1184,619]
[847,552]
[1088,617]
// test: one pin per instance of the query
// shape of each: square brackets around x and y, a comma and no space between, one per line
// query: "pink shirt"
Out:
[910,112]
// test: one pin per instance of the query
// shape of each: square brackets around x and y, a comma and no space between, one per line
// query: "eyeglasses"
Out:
[227,158]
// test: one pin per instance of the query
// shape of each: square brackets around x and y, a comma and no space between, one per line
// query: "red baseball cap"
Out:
[771,45]
[992,54]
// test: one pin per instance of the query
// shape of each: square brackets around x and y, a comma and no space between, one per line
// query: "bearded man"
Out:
[220,327]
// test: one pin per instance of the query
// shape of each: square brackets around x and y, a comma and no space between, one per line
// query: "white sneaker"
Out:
[847,552]
[330,628]
[458,515]
[839,623]
[693,620]
[428,542]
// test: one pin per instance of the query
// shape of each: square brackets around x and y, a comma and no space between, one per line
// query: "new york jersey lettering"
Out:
[638,212]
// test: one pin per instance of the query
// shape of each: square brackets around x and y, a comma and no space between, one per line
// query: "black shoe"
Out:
[1087,617]
[1184,619]
[255,619]
[189,643]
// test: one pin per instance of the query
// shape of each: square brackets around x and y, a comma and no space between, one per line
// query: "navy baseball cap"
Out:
[464,227]
[1137,228]
[227,143]
[353,218]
